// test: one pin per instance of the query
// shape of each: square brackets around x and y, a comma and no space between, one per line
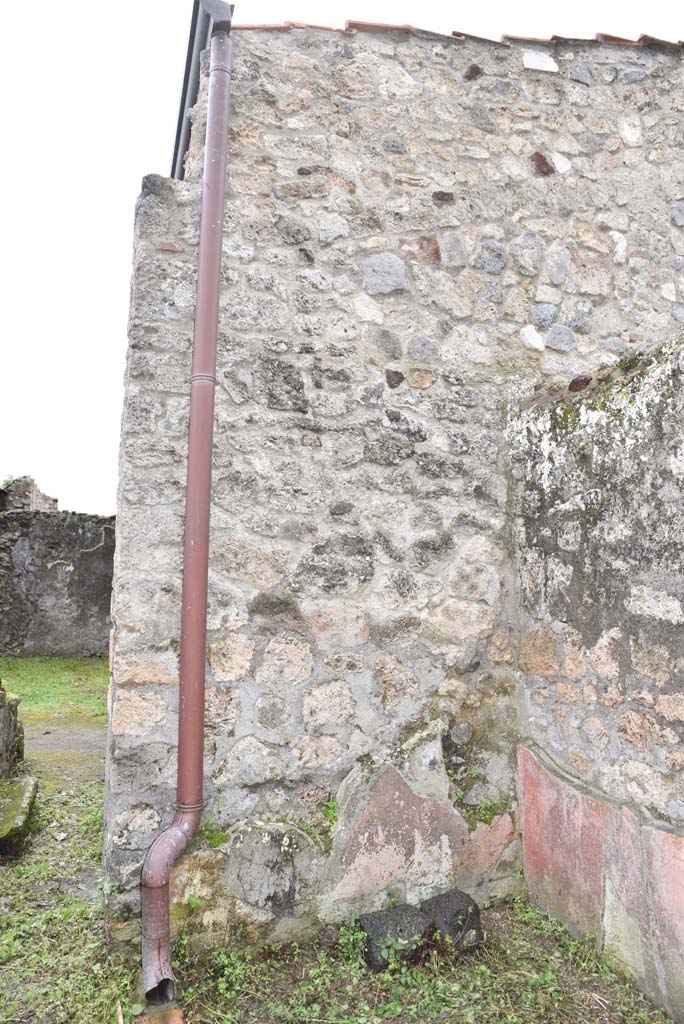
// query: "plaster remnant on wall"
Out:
[655,605]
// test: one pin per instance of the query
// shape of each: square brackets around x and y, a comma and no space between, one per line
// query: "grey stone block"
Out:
[561,338]
[526,251]
[543,314]
[580,73]
[491,258]
[384,273]
[558,264]
[451,249]
[677,214]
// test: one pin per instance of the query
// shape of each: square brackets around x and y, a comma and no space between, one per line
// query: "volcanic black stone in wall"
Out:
[55,583]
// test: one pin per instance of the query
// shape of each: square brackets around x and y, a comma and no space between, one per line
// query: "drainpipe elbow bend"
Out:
[156,924]
[168,847]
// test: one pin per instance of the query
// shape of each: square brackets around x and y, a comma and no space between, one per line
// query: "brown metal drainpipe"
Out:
[167,847]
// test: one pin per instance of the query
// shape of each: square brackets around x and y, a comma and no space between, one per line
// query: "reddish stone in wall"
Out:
[420,844]
[562,846]
[488,844]
[402,835]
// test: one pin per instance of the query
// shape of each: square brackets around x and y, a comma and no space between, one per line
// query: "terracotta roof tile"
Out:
[378,26]
[351,28]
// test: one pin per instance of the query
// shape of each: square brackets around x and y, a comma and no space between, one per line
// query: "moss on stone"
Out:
[211,835]
[16,800]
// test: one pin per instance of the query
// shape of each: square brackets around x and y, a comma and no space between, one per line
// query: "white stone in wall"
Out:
[367,310]
[532,339]
[620,243]
[249,763]
[561,163]
[332,226]
[384,273]
[630,131]
[538,60]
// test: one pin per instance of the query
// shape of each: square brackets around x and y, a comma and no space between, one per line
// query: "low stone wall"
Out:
[55,583]
[600,531]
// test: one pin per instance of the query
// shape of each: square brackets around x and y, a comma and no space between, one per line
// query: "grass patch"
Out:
[54,966]
[529,971]
[57,688]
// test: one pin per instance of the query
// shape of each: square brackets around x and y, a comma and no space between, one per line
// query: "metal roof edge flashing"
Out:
[200,31]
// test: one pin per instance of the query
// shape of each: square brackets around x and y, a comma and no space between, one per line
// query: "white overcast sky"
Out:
[91,93]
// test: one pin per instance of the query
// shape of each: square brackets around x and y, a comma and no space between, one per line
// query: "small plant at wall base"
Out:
[484,811]
[331,811]
[210,834]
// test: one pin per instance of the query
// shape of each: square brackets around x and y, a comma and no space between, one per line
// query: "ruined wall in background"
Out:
[55,583]
[600,533]
[23,493]
[418,231]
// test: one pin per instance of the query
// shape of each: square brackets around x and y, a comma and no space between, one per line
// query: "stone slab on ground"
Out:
[16,800]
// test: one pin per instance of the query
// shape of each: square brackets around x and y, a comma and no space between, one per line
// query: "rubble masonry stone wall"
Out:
[22,493]
[55,583]
[418,232]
